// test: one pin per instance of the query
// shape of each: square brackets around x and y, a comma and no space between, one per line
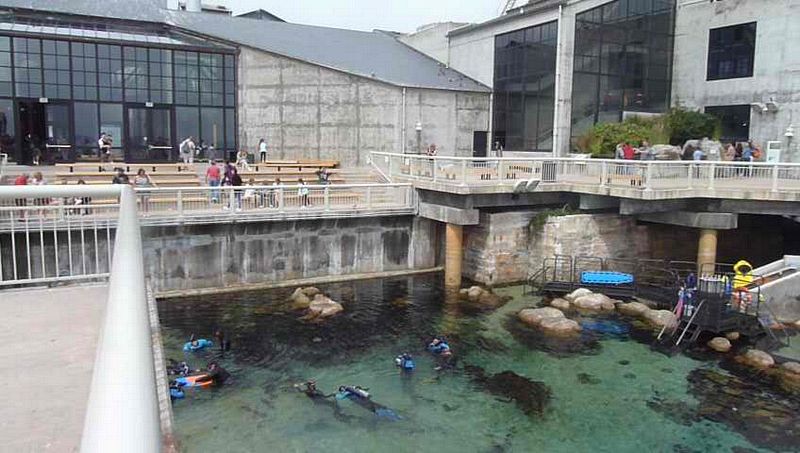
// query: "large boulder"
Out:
[593,302]
[299,300]
[577,293]
[719,344]
[667,152]
[322,307]
[311,291]
[659,318]
[559,326]
[732,336]
[534,316]
[791,367]
[633,308]
[756,359]
[559,303]
[474,293]
[481,297]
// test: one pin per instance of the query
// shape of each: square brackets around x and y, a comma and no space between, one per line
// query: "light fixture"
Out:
[418,126]
[772,106]
[789,132]
[759,107]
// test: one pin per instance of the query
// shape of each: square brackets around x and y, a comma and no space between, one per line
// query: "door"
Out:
[149,135]
[46,133]
[479,144]
[31,132]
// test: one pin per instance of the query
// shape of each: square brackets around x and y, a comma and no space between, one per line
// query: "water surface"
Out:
[597,393]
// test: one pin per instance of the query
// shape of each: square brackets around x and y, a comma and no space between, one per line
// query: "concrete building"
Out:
[559,66]
[152,76]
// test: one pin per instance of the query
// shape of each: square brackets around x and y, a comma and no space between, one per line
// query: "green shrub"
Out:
[674,127]
[687,125]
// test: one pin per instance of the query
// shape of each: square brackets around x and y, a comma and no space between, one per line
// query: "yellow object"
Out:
[744,274]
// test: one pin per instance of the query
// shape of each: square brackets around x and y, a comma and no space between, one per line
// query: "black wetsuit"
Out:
[219,375]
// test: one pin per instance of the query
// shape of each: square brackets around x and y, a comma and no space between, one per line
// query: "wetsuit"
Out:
[360,397]
[219,375]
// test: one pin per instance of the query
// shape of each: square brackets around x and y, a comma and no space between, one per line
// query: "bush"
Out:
[686,125]
[674,127]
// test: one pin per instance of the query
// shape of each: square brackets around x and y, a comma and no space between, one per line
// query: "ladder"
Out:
[686,330]
[766,322]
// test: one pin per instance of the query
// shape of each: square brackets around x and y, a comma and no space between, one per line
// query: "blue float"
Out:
[197,345]
[608,278]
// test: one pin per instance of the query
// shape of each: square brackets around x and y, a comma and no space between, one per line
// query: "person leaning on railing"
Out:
[142,181]
[22,180]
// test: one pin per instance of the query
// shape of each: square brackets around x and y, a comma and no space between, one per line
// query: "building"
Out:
[556,67]
[151,76]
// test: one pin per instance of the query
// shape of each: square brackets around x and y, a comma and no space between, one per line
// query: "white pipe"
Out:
[490,128]
[122,413]
[403,126]
[557,139]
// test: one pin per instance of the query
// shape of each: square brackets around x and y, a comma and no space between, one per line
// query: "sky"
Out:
[395,15]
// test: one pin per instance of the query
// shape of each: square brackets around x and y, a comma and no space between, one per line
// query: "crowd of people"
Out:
[694,150]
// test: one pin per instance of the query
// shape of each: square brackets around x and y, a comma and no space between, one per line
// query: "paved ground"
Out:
[49,337]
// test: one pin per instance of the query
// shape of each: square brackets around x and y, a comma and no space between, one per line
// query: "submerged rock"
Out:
[756,359]
[585,378]
[559,326]
[560,304]
[534,316]
[791,367]
[482,298]
[732,336]
[299,300]
[719,344]
[532,397]
[322,307]
[311,291]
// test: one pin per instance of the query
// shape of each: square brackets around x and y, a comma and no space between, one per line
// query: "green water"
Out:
[602,389]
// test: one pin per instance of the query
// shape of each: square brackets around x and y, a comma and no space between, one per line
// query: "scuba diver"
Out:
[224,345]
[214,373]
[361,396]
[405,362]
[178,368]
[441,349]
[196,344]
[310,389]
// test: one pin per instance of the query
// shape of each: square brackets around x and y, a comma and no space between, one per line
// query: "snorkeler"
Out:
[405,362]
[196,344]
[361,396]
[441,349]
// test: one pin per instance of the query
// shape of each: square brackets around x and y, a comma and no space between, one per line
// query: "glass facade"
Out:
[524,88]
[734,121]
[622,61]
[731,51]
[149,91]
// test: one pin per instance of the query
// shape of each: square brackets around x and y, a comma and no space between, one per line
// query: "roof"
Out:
[260,14]
[530,8]
[373,55]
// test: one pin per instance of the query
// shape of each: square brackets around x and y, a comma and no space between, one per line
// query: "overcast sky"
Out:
[396,15]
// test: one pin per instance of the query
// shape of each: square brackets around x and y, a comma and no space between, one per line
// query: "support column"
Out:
[454,251]
[706,251]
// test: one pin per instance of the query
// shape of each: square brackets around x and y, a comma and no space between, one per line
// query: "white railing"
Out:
[177,204]
[759,180]
[122,411]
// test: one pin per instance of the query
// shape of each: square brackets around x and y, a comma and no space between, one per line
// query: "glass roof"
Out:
[55,27]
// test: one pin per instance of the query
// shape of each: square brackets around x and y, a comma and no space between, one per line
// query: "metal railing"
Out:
[178,204]
[670,179]
[122,411]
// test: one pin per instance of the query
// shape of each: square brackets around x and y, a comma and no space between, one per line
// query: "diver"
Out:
[405,362]
[175,368]
[310,389]
[215,373]
[441,349]
[361,396]
[224,345]
[176,391]
[196,344]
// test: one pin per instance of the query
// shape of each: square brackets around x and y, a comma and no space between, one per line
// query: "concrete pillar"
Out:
[453,255]
[707,251]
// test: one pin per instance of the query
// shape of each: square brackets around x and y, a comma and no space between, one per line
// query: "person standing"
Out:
[103,148]
[262,150]
[730,153]
[628,153]
[213,179]
[236,181]
[142,181]
[120,177]
[241,160]
[187,150]
[21,180]
[303,192]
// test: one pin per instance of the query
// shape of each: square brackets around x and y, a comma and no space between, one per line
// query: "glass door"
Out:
[149,135]
[58,145]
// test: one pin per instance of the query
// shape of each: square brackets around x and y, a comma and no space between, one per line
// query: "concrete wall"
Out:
[776,72]
[222,255]
[307,111]
[431,39]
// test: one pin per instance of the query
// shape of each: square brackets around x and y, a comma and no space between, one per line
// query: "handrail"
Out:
[122,413]
[122,410]
[691,320]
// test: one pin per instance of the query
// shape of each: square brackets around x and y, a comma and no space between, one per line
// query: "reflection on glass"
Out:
[7,129]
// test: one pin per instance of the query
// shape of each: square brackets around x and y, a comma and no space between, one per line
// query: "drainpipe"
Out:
[557,139]
[489,132]
[403,125]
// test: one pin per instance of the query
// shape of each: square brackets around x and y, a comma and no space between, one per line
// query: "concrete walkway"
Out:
[49,337]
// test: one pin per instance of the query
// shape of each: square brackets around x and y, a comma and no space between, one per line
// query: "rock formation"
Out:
[550,320]
[719,344]
[756,359]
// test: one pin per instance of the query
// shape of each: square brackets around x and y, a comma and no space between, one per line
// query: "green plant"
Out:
[537,221]
[686,125]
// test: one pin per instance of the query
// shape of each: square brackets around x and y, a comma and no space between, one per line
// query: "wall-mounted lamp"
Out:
[759,107]
[789,132]
[772,106]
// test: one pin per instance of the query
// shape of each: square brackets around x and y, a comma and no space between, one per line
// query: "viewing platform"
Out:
[642,180]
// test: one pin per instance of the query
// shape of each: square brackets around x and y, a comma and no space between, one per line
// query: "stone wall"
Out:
[222,255]
[308,111]
[505,247]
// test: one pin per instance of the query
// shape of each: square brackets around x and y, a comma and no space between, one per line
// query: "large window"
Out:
[28,67]
[524,85]
[731,51]
[622,62]
[5,66]
[734,121]
[84,71]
